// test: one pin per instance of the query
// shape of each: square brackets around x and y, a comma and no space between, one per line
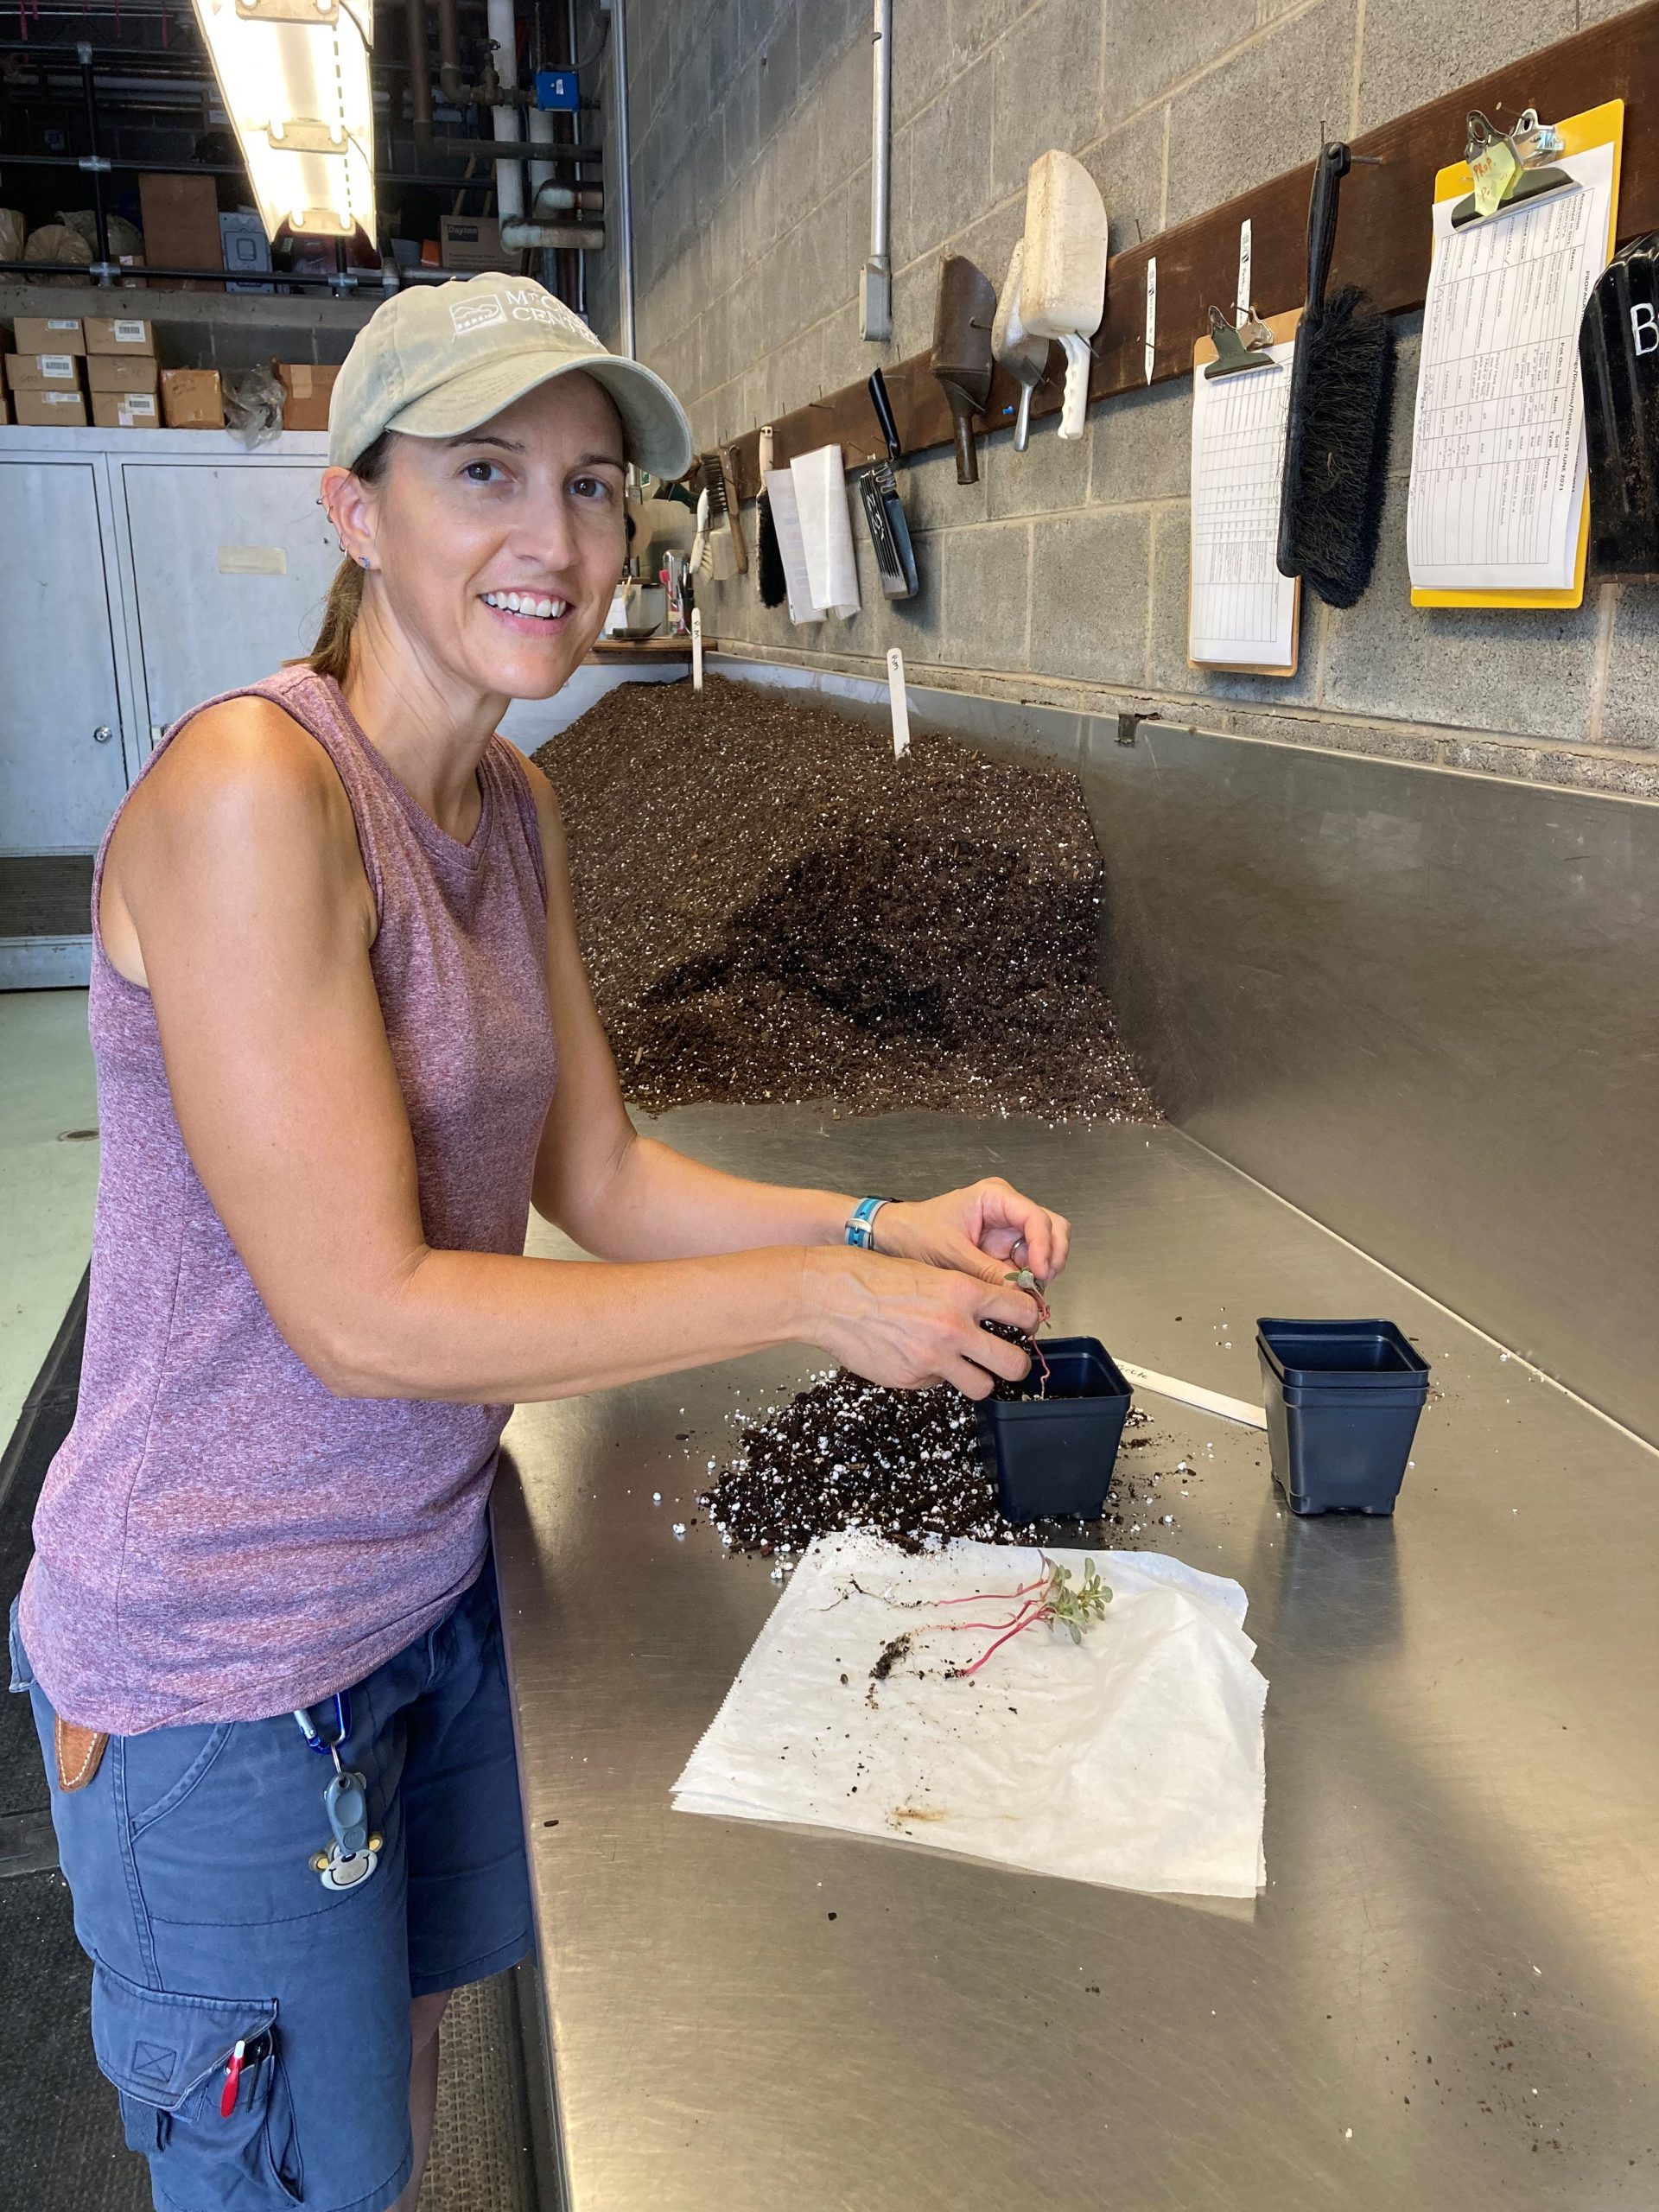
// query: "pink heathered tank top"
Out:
[221,1538]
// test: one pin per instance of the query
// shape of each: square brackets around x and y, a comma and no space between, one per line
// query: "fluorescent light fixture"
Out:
[293,75]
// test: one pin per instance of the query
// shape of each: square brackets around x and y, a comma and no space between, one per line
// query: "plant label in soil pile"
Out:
[1093,1715]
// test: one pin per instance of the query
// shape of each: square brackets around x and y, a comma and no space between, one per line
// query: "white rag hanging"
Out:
[786,521]
[826,529]
[1134,1758]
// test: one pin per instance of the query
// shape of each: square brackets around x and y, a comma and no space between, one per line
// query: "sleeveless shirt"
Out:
[220,1537]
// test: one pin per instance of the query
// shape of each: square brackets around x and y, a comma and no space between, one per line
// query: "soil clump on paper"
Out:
[772,909]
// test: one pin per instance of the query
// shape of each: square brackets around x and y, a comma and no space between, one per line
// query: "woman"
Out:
[344,1041]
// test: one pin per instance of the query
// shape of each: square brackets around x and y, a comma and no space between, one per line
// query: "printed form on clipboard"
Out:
[1242,612]
[1497,511]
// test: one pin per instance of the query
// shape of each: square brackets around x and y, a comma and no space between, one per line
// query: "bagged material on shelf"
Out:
[253,406]
[1133,1759]
[14,230]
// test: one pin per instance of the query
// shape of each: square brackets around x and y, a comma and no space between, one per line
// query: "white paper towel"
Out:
[826,529]
[1133,1759]
[786,521]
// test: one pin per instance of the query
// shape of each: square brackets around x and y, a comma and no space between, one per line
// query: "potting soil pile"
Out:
[772,908]
[1133,1757]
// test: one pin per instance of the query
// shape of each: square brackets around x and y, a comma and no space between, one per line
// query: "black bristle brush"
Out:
[1337,431]
[769,562]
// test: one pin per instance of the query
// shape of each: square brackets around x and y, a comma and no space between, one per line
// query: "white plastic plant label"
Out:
[899,702]
[696,649]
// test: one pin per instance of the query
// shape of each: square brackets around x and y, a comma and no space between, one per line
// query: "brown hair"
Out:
[331,653]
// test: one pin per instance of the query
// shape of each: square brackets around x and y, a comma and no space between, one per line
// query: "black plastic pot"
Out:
[1343,1400]
[1053,1456]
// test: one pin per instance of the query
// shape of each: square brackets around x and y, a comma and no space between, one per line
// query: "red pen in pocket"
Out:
[233,2080]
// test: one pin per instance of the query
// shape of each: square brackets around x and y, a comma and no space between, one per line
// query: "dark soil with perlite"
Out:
[773,909]
[905,1464]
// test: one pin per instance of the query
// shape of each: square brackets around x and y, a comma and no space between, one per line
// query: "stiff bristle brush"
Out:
[1336,429]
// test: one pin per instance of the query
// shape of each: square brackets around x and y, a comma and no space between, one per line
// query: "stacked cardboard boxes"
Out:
[44,373]
[122,376]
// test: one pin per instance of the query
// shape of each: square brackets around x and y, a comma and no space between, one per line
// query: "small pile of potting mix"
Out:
[905,1464]
[771,907]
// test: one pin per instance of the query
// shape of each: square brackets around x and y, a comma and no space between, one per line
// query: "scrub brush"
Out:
[774,587]
[1338,419]
[722,553]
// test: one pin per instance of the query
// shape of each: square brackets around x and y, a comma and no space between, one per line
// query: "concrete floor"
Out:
[47,1179]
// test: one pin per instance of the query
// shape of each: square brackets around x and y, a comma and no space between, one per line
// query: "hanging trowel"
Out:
[1063,275]
[962,352]
[1023,355]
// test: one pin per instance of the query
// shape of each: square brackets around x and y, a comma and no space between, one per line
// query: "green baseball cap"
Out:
[437,359]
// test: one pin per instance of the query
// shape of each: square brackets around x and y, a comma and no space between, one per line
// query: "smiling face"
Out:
[493,556]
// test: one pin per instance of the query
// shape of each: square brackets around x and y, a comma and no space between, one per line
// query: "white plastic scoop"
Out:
[1063,271]
[1023,355]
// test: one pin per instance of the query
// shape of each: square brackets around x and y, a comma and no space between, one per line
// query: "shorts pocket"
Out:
[168,2054]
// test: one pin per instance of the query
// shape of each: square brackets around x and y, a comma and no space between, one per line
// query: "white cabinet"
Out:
[61,772]
[140,572]
[232,565]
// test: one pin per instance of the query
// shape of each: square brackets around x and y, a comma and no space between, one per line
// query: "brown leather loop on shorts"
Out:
[78,1751]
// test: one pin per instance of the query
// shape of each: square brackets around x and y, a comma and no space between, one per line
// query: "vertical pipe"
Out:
[624,196]
[449,51]
[509,174]
[420,65]
[96,164]
[875,300]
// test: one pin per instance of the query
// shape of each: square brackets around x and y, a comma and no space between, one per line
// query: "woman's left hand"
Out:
[987,1229]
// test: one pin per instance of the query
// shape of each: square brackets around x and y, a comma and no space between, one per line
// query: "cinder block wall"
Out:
[1062,576]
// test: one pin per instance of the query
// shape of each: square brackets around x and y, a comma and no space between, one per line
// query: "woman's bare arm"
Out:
[237,866]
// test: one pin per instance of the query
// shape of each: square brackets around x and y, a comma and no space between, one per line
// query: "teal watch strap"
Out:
[860,1223]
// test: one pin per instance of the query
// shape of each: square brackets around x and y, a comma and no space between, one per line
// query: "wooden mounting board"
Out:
[1383,242]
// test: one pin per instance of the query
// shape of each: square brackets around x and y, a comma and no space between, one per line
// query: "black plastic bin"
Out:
[1343,1400]
[1053,1456]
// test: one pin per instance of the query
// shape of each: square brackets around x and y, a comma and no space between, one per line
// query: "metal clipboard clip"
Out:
[1511,167]
[1238,351]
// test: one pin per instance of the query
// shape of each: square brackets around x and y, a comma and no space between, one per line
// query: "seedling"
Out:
[1050,1598]
[1024,1280]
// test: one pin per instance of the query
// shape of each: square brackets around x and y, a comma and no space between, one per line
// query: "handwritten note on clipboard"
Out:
[1499,511]
[1241,614]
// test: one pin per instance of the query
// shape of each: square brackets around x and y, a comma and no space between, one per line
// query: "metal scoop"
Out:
[962,352]
[1023,354]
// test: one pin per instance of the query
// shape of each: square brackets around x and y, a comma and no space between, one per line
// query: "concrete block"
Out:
[933,499]
[1491,669]
[1143,445]
[977,24]
[1088,586]
[742,122]
[1047,87]
[1128,165]
[1409,341]
[825,28]
[990,241]
[948,148]
[1411,54]
[842,104]
[1262,114]
[779,75]
[1050,733]
[1629,713]
[915,289]
[1051,474]
[921,59]
[1149,49]
[985,577]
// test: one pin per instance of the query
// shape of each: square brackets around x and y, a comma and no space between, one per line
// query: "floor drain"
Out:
[76,1136]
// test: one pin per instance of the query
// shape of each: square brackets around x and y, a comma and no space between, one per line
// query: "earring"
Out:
[363,559]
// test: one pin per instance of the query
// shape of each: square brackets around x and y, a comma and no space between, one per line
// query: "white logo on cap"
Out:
[531,304]
[475,314]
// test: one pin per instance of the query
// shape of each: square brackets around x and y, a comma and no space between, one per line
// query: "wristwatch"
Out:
[861,1222]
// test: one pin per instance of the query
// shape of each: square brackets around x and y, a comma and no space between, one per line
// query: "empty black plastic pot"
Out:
[1053,1456]
[1343,1401]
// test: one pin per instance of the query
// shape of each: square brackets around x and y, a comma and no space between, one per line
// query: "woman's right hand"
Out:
[908,1325]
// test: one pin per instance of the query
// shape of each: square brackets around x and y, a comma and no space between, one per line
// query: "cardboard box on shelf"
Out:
[471,243]
[118,335]
[113,373]
[43,372]
[192,399]
[126,410]
[48,333]
[50,410]
[306,389]
[181,226]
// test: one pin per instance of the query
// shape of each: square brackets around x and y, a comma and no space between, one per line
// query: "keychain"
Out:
[352,1854]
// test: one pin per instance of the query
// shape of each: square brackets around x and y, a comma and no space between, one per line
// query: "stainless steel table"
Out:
[1446,1998]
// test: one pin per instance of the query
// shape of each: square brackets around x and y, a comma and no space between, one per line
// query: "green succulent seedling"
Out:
[1076,1611]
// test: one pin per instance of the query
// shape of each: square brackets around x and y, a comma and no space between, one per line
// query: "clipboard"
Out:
[1283,328]
[1596,126]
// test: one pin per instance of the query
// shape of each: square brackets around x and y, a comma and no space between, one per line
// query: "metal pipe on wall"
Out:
[420,78]
[875,299]
[623,193]
[509,174]
[449,51]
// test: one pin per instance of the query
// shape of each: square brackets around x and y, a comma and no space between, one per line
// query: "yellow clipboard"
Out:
[1597,126]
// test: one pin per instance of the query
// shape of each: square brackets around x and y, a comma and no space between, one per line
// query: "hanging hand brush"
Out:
[1336,431]
[769,562]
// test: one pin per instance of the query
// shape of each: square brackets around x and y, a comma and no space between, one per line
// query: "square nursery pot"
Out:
[1053,1456]
[1343,1399]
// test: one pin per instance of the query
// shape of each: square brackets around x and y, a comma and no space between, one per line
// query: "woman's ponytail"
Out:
[331,653]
